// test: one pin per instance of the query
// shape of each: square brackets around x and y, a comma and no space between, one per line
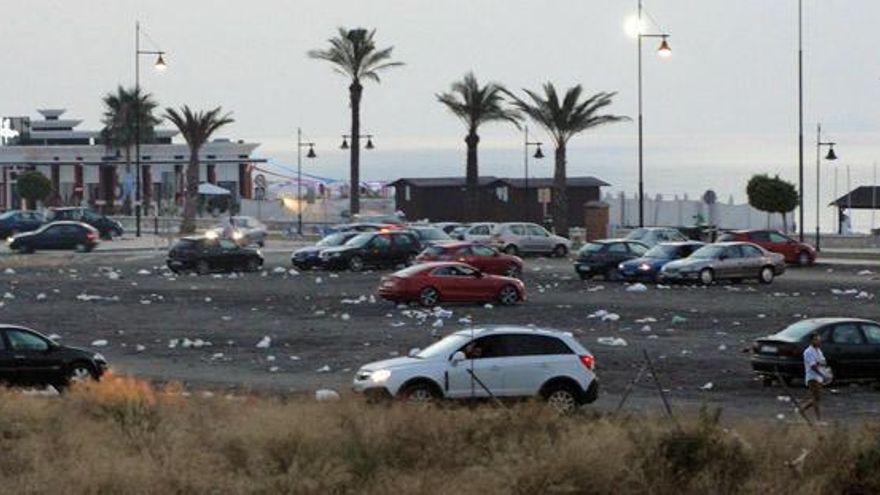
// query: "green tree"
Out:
[128,113]
[564,119]
[476,105]
[353,54]
[773,195]
[33,186]
[196,128]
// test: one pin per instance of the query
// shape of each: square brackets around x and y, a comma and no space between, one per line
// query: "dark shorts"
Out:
[815,390]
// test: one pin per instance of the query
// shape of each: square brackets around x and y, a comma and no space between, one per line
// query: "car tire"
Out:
[203,268]
[560,251]
[511,249]
[707,276]
[766,275]
[803,259]
[420,392]
[508,295]
[429,297]
[252,265]
[356,264]
[80,372]
[562,397]
[513,271]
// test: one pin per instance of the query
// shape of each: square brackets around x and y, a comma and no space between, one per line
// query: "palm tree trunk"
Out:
[560,194]
[472,181]
[354,92]
[190,201]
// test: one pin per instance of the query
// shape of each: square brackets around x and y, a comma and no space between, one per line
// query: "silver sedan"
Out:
[725,260]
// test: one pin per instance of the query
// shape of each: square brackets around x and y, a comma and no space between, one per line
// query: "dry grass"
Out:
[123,436]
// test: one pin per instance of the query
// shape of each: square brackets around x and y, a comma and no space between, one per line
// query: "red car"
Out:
[776,242]
[443,281]
[484,258]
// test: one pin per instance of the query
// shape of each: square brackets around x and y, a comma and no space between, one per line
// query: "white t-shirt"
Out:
[813,355]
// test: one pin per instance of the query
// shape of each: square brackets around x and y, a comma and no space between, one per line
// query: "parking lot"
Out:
[204,331]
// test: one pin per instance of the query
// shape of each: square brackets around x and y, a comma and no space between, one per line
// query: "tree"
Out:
[33,186]
[128,113]
[476,105]
[564,120]
[196,128]
[353,54]
[773,195]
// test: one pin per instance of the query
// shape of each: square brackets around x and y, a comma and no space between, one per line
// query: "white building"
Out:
[84,171]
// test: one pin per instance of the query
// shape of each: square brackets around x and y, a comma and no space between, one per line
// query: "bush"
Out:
[34,186]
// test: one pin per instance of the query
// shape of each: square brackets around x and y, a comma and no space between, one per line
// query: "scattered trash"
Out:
[140,348]
[678,320]
[488,306]
[279,270]
[323,369]
[708,386]
[326,395]
[9,271]
[41,296]
[637,288]
[264,343]
[722,347]
[612,341]
[144,272]
[99,343]
[344,317]
[862,272]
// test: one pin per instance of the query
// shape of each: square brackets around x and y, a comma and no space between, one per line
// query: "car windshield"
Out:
[591,247]
[185,243]
[334,240]
[638,234]
[432,234]
[726,238]
[8,214]
[797,331]
[444,347]
[662,251]
[434,251]
[708,252]
[360,240]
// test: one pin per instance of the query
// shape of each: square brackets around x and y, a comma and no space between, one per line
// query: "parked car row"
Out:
[14,222]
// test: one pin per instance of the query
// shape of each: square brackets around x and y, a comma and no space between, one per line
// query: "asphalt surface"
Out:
[204,331]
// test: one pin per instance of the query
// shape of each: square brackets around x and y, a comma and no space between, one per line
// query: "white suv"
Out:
[499,361]
[519,238]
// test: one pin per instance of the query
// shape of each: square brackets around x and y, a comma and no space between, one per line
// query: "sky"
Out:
[723,107]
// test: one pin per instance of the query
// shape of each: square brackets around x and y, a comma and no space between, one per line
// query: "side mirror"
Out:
[457,358]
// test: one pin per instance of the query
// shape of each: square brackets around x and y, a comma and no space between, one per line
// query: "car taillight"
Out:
[91,236]
[791,351]
[588,361]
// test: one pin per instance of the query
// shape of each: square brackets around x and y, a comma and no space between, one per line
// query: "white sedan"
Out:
[494,361]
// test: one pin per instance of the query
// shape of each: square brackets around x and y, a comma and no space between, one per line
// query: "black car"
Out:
[602,257]
[383,248]
[14,221]
[310,257]
[107,227]
[851,347]
[29,358]
[205,255]
[54,236]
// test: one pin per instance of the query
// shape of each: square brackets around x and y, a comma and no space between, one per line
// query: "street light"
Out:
[800,121]
[311,154]
[538,154]
[663,51]
[830,157]
[160,66]
[369,146]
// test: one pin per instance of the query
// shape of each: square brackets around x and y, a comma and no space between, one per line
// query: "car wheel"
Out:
[613,275]
[513,271]
[511,250]
[562,398]
[203,268]
[508,295]
[80,372]
[560,251]
[707,276]
[356,264]
[252,265]
[419,393]
[803,259]
[766,275]
[429,297]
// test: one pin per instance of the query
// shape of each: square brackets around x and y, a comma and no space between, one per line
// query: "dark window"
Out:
[726,238]
[761,236]
[872,332]
[733,252]
[25,341]
[483,251]
[637,249]
[518,230]
[186,244]
[751,251]
[403,240]
[534,345]
[380,242]
[777,237]
[485,347]
[2,341]
[465,251]
[846,333]
[434,251]
[617,248]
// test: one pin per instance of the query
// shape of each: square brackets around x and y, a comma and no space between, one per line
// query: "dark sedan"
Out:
[602,257]
[29,358]
[380,249]
[14,221]
[648,267]
[851,347]
[310,257]
[56,235]
[107,227]
[204,255]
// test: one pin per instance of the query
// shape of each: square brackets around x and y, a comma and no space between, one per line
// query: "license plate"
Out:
[769,349]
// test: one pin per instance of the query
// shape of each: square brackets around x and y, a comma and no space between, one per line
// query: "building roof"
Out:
[860,198]
[441,181]
[540,182]
[490,180]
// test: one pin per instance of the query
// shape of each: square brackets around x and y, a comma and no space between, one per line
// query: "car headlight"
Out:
[9,240]
[645,267]
[237,236]
[211,234]
[99,357]
[380,376]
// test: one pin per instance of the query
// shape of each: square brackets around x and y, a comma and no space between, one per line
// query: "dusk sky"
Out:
[724,106]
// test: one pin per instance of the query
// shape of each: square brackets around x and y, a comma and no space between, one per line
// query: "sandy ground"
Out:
[322,326]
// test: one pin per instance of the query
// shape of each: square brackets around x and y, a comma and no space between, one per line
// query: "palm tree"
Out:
[353,54]
[476,105]
[563,120]
[196,128]
[127,114]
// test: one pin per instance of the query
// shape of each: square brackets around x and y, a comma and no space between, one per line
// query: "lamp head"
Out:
[664,50]
[369,145]
[831,154]
[344,143]
[538,153]
[160,64]
[311,153]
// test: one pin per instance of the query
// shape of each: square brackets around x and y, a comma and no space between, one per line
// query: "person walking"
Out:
[816,373]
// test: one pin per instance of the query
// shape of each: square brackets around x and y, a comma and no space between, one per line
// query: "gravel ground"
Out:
[204,331]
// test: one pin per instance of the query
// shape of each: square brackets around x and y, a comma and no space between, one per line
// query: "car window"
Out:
[227,245]
[637,249]
[380,242]
[444,271]
[872,333]
[534,345]
[777,237]
[402,240]
[492,346]
[733,252]
[463,251]
[92,217]
[2,341]
[751,251]
[617,248]
[483,251]
[760,236]
[846,333]
[537,231]
[466,271]
[25,341]
[480,230]
[726,238]
[517,229]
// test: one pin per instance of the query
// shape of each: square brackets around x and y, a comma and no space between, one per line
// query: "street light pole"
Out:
[299,203]
[160,65]
[801,119]
[368,146]
[831,156]
[538,154]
